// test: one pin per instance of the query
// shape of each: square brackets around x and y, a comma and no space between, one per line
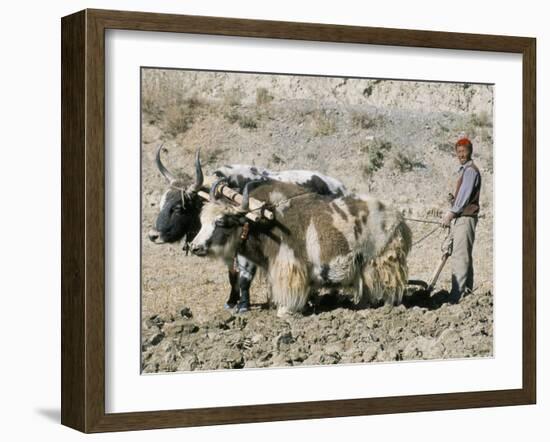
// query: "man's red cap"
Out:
[464,142]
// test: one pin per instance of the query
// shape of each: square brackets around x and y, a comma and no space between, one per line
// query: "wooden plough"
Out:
[446,250]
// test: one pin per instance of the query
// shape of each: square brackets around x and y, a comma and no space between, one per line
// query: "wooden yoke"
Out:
[256,211]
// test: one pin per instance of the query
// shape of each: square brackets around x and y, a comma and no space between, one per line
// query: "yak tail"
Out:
[385,277]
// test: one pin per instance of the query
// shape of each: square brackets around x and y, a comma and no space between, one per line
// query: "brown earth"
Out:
[391,139]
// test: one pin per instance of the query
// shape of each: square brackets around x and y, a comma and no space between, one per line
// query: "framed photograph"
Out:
[267,221]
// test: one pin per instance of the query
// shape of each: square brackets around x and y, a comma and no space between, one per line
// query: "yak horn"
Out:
[245,204]
[214,188]
[199,178]
[165,172]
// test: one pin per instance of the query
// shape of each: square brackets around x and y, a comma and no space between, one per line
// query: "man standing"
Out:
[464,211]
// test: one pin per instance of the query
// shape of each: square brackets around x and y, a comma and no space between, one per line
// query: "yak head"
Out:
[221,225]
[180,206]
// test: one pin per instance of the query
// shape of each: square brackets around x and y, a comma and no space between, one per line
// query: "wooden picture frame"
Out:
[83,220]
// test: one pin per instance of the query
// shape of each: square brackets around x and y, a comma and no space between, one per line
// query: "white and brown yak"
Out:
[352,242]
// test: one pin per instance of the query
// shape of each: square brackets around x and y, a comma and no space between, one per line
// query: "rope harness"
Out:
[273,206]
[246,226]
[244,234]
[426,221]
[446,245]
[431,232]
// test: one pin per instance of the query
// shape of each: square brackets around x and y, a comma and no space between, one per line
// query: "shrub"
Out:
[368,90]
[179,117]
[324,125]
[404,163]
[233,97]
[277,159]
[247,123]
[375,155]
[151,109]
[190,103]
[486,134]
[445,147]
[442,127]
[363,121]
[244,121]
[178,120]
[232,117]
[213,156]
[481,120]
[262,96]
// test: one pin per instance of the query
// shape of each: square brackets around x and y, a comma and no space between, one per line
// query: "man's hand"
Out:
[447,218]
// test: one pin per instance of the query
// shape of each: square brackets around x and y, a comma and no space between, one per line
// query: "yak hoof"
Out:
[284,313]
[242,308]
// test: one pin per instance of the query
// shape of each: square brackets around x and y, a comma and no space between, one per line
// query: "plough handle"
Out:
[437,272]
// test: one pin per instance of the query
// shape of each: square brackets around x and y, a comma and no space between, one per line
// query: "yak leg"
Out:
[234,295]
[385,279]
[247,270]
[290,286]
[386,275]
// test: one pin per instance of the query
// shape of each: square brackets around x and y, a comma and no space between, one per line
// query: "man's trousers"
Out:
[464,234]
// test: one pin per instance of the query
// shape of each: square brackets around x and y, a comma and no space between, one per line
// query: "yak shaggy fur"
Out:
[316,241]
